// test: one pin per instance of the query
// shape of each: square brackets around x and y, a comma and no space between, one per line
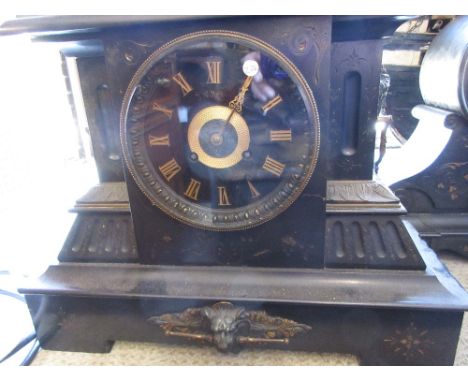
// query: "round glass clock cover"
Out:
[220,130]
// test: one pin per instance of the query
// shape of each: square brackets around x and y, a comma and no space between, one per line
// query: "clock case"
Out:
[379,286]
[295,238]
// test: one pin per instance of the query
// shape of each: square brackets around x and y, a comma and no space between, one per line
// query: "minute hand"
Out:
[238,101]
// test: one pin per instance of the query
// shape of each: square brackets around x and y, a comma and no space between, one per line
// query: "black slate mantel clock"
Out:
[229,158]
[236,206]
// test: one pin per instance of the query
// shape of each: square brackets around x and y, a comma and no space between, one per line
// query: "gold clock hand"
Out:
[238,101]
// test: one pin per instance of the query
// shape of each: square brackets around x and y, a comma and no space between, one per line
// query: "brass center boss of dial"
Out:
[229,115]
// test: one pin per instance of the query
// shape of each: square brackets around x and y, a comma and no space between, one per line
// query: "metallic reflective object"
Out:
[220,113]
[424,146]
[444,71]
[227,326]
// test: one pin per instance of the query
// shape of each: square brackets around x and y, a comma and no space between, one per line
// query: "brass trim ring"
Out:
[221,113]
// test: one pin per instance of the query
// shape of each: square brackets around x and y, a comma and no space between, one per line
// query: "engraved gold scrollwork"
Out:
[410,342]
[354,60]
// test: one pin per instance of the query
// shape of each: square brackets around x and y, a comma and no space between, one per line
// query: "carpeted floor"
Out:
[126,353]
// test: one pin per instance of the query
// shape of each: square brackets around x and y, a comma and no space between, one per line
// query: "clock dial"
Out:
[220,130]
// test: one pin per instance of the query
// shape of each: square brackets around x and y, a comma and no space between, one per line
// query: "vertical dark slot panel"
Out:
[121,239]
[79,238]
[351,104]
[94,237]
[111,239]
[109,142]
[395,240]
[89,227]
[358,240]
[124,246]
[338,235]
[377,240]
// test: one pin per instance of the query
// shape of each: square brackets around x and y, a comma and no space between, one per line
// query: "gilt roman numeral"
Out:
[193,189]
[271,104]
[223,199]
[214,72]
[159,141]
[167,112]
[280,135]
[253,191]
[182,82]
[273,166]
[170,169]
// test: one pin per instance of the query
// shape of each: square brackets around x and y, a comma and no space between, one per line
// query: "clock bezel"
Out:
[234,219]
